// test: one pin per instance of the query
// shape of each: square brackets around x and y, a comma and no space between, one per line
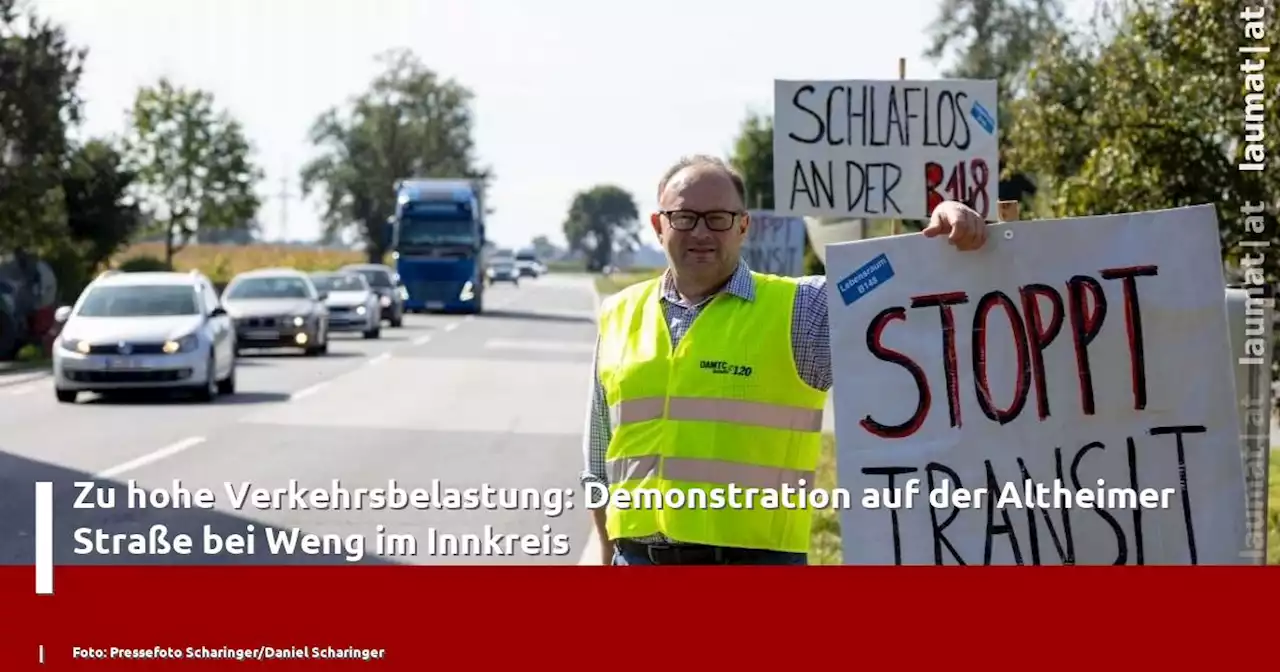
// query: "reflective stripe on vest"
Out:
[719,472]
[752,413]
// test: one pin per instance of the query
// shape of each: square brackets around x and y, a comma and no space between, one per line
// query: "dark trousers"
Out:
[632,553]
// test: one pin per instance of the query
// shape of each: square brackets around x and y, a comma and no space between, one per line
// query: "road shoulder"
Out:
[17,373]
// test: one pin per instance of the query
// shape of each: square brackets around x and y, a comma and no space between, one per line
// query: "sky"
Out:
[569,93]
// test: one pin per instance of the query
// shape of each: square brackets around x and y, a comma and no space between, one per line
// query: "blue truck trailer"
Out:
[437,240]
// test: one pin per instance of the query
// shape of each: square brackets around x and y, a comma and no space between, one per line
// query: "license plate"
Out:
[435,304]
[262,335]
[123,363]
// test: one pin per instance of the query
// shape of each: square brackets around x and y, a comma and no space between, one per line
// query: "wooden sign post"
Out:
[902,74]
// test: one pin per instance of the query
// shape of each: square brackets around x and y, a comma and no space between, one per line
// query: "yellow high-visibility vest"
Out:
[726,408]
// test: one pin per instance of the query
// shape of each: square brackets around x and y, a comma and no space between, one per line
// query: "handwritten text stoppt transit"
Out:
[1073,354]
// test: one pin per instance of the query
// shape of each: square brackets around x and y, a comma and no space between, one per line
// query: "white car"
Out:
[131,331]
[503,269]
[527,264]
[353,304]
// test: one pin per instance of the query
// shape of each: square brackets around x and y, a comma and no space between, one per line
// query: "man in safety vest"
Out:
[687,414]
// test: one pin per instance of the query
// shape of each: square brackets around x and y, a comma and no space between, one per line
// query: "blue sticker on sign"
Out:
[872,274]
[983,117]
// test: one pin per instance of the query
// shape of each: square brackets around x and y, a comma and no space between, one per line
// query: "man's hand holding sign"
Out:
[963,227]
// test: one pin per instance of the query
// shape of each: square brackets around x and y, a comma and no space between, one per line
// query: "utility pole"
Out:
[284,195]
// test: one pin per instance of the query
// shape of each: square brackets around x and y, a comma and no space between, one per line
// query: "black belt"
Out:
[690,554]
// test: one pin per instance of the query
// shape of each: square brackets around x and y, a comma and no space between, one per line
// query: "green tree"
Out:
[602,220]
[1151,110]
[543,247]
[39,72]
[996,39]
[410,123]
[193,163]
[993,39]
[101,214]
[753,159]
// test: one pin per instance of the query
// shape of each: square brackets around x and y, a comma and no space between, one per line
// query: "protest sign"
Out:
[1090,356]
[775,244]
[884,149]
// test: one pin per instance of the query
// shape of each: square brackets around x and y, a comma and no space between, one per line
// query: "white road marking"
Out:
[308,391]
[539,346]
[379,359]
[22,389]
[454,325]
[168,451]
[421,340]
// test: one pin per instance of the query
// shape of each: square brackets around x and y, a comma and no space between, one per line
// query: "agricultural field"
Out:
[222,262]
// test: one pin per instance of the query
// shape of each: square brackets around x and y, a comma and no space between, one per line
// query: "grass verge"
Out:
[566,267]
[824,538]
[610,284]
[29,358]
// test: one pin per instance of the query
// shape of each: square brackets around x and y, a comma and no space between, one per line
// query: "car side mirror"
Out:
[218,312]
[62,314]
[323,295]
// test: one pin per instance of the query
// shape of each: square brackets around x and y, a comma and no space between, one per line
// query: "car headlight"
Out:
[75,345]
[185,344]
[360,310]
[385,301]
[299,320]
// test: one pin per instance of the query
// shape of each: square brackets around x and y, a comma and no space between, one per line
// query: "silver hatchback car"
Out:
[130,331]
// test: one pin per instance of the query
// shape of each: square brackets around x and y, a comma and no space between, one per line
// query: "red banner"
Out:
[456,618]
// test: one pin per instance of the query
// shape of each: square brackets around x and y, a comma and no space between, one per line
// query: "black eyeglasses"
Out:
[687,220]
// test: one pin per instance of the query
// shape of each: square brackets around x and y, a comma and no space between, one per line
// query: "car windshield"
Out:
[375,277]
[284,287]
[343,282]
[139,301]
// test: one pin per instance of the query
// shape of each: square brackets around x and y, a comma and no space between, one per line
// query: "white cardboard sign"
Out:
[884,148]
[1122,373]
[775,244]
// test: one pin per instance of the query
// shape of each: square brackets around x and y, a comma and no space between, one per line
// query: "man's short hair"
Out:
[705,160]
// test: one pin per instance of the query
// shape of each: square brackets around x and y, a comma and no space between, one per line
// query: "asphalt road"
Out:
[494,399]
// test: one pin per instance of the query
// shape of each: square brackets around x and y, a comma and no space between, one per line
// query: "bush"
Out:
[71,271]
[144,264]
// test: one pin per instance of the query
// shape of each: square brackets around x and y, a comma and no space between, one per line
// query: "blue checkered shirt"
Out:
[810,341]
